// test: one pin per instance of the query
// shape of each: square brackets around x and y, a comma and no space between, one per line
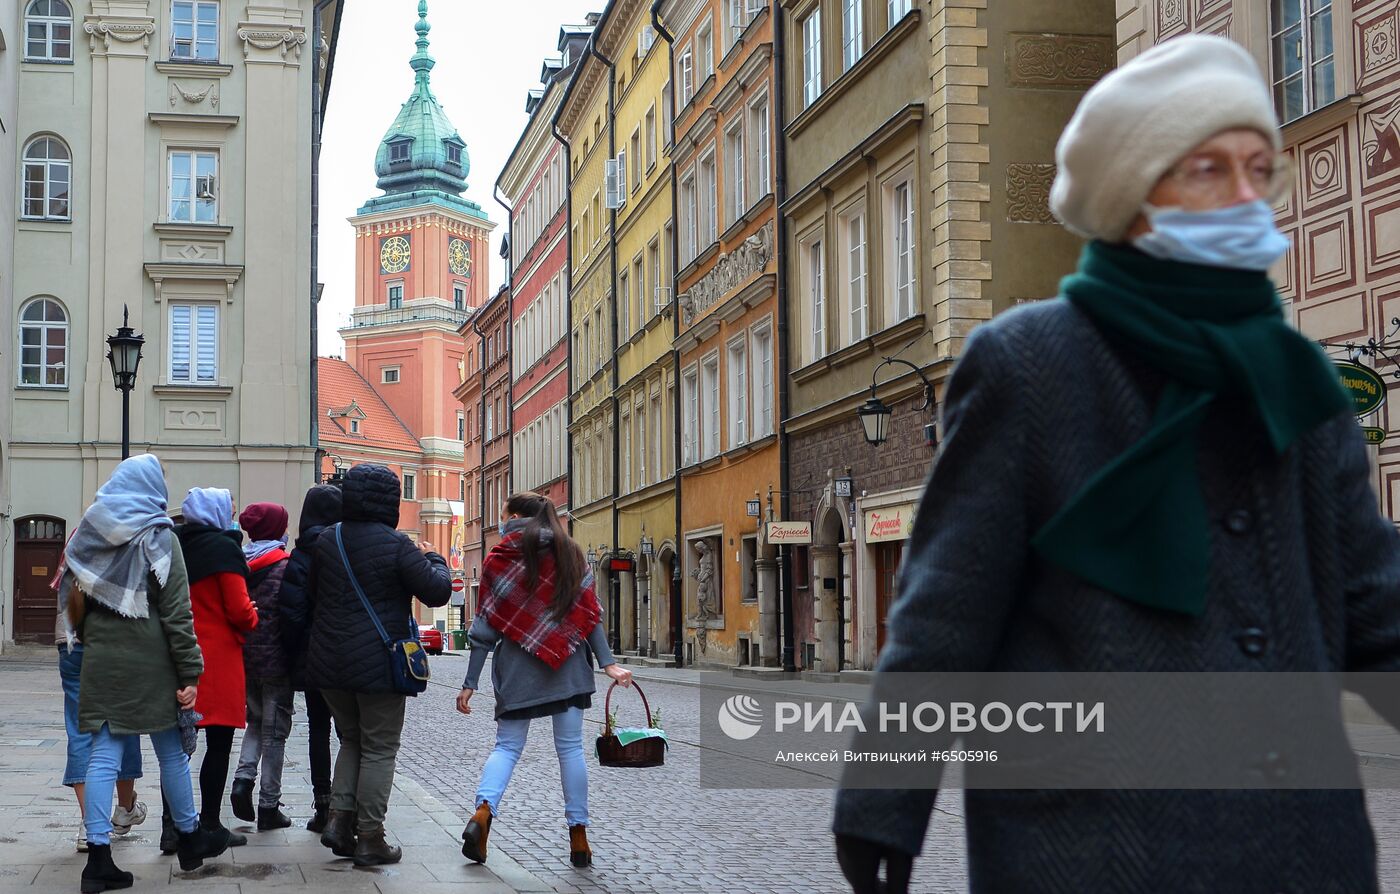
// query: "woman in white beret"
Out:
[1153,472]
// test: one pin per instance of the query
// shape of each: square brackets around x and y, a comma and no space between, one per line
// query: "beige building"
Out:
[164,147]
[9,103]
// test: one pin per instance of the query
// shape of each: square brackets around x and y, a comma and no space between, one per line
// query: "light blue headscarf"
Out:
[123,537]
[212,506]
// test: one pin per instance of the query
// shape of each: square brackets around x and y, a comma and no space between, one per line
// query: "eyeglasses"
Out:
[1207,179]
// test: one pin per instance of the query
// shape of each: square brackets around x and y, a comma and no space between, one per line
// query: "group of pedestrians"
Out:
[172,625]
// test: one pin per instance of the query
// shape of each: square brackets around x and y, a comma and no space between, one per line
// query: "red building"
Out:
[468,394]
[491,325]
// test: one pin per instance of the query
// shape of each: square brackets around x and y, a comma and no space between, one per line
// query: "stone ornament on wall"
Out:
[730,271]
[1380,143]
[1171,18]
[1073,61]
[194,97]
[1376,53]
[282,39]
[1028,193]
[122,29]
[1326,176]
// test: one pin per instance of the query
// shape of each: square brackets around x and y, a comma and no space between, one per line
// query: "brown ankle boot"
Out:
[474,835]
[579,852]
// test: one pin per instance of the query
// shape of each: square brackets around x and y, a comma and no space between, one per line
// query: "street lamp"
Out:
[124,353]
[875,414]
[339,467]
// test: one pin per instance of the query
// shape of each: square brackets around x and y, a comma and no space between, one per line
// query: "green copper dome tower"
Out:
[422,158]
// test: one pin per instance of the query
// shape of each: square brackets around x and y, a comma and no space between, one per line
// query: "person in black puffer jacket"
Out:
[349,662]
[319,510]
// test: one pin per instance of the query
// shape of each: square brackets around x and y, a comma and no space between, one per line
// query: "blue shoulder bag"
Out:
[408,663]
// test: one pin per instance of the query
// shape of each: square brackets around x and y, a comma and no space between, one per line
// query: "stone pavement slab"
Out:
[39,820]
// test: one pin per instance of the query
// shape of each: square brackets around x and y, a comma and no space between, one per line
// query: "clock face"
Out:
[394,254]
[459,258]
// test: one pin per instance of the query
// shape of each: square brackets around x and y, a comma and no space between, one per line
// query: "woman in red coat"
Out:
[223,613]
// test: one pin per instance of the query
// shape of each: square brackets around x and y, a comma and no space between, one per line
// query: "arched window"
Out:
[43,344]
[48,172]
[48,31]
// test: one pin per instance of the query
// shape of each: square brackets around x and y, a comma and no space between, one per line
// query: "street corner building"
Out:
[156,159]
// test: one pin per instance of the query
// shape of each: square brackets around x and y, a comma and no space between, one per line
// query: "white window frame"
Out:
[762,411]
[46,167]
[705,51]
[389,297]
[1315,17]
[736,368]
[707,199]
[459,296]
[758,143]
[709,405]
[461,426]
[194,375]
[197,205]
[624,429]
[812,57]
[53,46]
[354,426]
[196,41]
[624,304]
[386,379]
[735,172]
[690,430]
[855,272]
[685,72]
[901,246]
[689,218]
[649,136]
[814,286]
[410,485]
[852,32]
[44,327]
[897,10]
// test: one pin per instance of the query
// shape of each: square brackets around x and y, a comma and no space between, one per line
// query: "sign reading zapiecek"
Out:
[1363,385]
[790,532]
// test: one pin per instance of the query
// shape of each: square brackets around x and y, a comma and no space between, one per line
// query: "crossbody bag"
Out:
[408,663]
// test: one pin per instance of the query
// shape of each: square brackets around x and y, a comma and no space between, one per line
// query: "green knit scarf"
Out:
[1139,527]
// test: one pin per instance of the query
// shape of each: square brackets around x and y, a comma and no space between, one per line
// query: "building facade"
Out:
[163,151]
[10,49]
[492,326]
[638,192]
[468,394]
[584,122]
[926,216]
[1335,69]
[725,90]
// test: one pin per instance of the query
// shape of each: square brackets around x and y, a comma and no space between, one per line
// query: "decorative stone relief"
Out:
[1059,60]
[283,39]
[1171,18]
[1377,52]
[194,97]
[1380,142]
[730,271]
[184,417]
[122,30]
[192,252]
[1028,193]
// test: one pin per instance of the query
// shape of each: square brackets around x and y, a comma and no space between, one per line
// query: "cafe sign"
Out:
[781,532]
[1373,435]
[889,523]
[1365,388]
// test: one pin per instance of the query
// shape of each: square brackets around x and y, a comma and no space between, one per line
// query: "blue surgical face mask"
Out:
[502,527]
[1240,237]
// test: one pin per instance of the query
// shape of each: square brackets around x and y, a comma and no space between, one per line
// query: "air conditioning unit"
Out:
[662,299]
[204,187]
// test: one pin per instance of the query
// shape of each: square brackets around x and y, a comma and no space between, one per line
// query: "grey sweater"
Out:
[521,680]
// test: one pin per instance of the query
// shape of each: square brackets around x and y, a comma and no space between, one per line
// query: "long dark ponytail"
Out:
[569,566]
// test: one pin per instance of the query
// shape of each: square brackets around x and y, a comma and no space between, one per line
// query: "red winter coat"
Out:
[223,613]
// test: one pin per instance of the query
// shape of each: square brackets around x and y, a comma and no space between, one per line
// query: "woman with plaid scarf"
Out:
[538,607]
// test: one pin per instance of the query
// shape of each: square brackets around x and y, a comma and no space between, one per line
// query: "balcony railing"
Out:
[382,315]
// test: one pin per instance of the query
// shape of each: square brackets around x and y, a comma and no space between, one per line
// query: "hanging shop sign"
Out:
[789,532]
[1373,435]
[889,523]
[1364,386]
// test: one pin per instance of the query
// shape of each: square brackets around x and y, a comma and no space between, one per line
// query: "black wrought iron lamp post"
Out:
[124,354]
[875,414]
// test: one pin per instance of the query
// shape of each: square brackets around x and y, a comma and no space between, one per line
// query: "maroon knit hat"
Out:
[264,521]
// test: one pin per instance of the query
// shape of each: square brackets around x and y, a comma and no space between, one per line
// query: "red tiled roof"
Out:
[339,386]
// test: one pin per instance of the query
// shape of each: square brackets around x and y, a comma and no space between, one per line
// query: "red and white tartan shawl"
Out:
[523,615]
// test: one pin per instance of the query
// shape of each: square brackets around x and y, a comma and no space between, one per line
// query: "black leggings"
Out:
[318,717]
[213,773]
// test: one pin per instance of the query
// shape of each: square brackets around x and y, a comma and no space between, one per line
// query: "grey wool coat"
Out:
[1304,575]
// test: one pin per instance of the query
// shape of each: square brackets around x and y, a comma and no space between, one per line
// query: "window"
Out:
[816,290]
[654,268]
[686,70]
[354,426]
[709,384]
[657,428]
[639,283]
[690,396]
[389,375]
[759,175]
[852,31]
[194,190]
[705,52]
[462,490]
[811,58]
[650,137]
[762,380]
[490,430]
[668,113]
[48,31]
[635,157]
[898,10]
[854,226]
[48,172]
[400,151]
[461,426]
[625,459]
[1305,73]
[43,344]
[707,185]
[194,333]
[454,154]
[410,485]
[598,332]
[640,443]
[194,30]
[459,296]
[899,223]
[396,298]
[734,164]
[738,372]
[688,247]
[624,305]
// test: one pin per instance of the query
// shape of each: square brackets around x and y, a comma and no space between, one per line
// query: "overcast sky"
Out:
[488,55]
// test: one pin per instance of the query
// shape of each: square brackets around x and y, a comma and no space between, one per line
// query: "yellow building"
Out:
[637,188]
[583,123]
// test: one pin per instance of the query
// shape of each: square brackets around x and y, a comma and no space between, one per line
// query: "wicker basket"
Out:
[649,752]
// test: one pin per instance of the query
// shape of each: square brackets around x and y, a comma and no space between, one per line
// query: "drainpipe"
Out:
[510,318]
[780,244]
[677,604]
[568,318]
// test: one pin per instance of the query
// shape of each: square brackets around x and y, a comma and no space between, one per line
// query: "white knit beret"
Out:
[1141,119]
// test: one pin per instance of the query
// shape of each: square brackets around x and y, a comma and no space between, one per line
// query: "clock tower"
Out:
[421,269]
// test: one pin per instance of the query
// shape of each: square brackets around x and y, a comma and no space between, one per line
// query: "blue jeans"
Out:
[107,748]
[70,671]
[568,744]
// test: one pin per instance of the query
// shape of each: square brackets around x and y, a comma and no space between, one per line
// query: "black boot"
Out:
[270,818]
[372,850]
[214,825]
[200,845]
[241,799]
[339,834]
[169,836]
[101,874]
[317,823]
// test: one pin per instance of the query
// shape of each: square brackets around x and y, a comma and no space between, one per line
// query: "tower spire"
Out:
[422,63]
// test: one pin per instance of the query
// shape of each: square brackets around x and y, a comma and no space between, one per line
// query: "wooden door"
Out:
[38,547]
[887,558]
